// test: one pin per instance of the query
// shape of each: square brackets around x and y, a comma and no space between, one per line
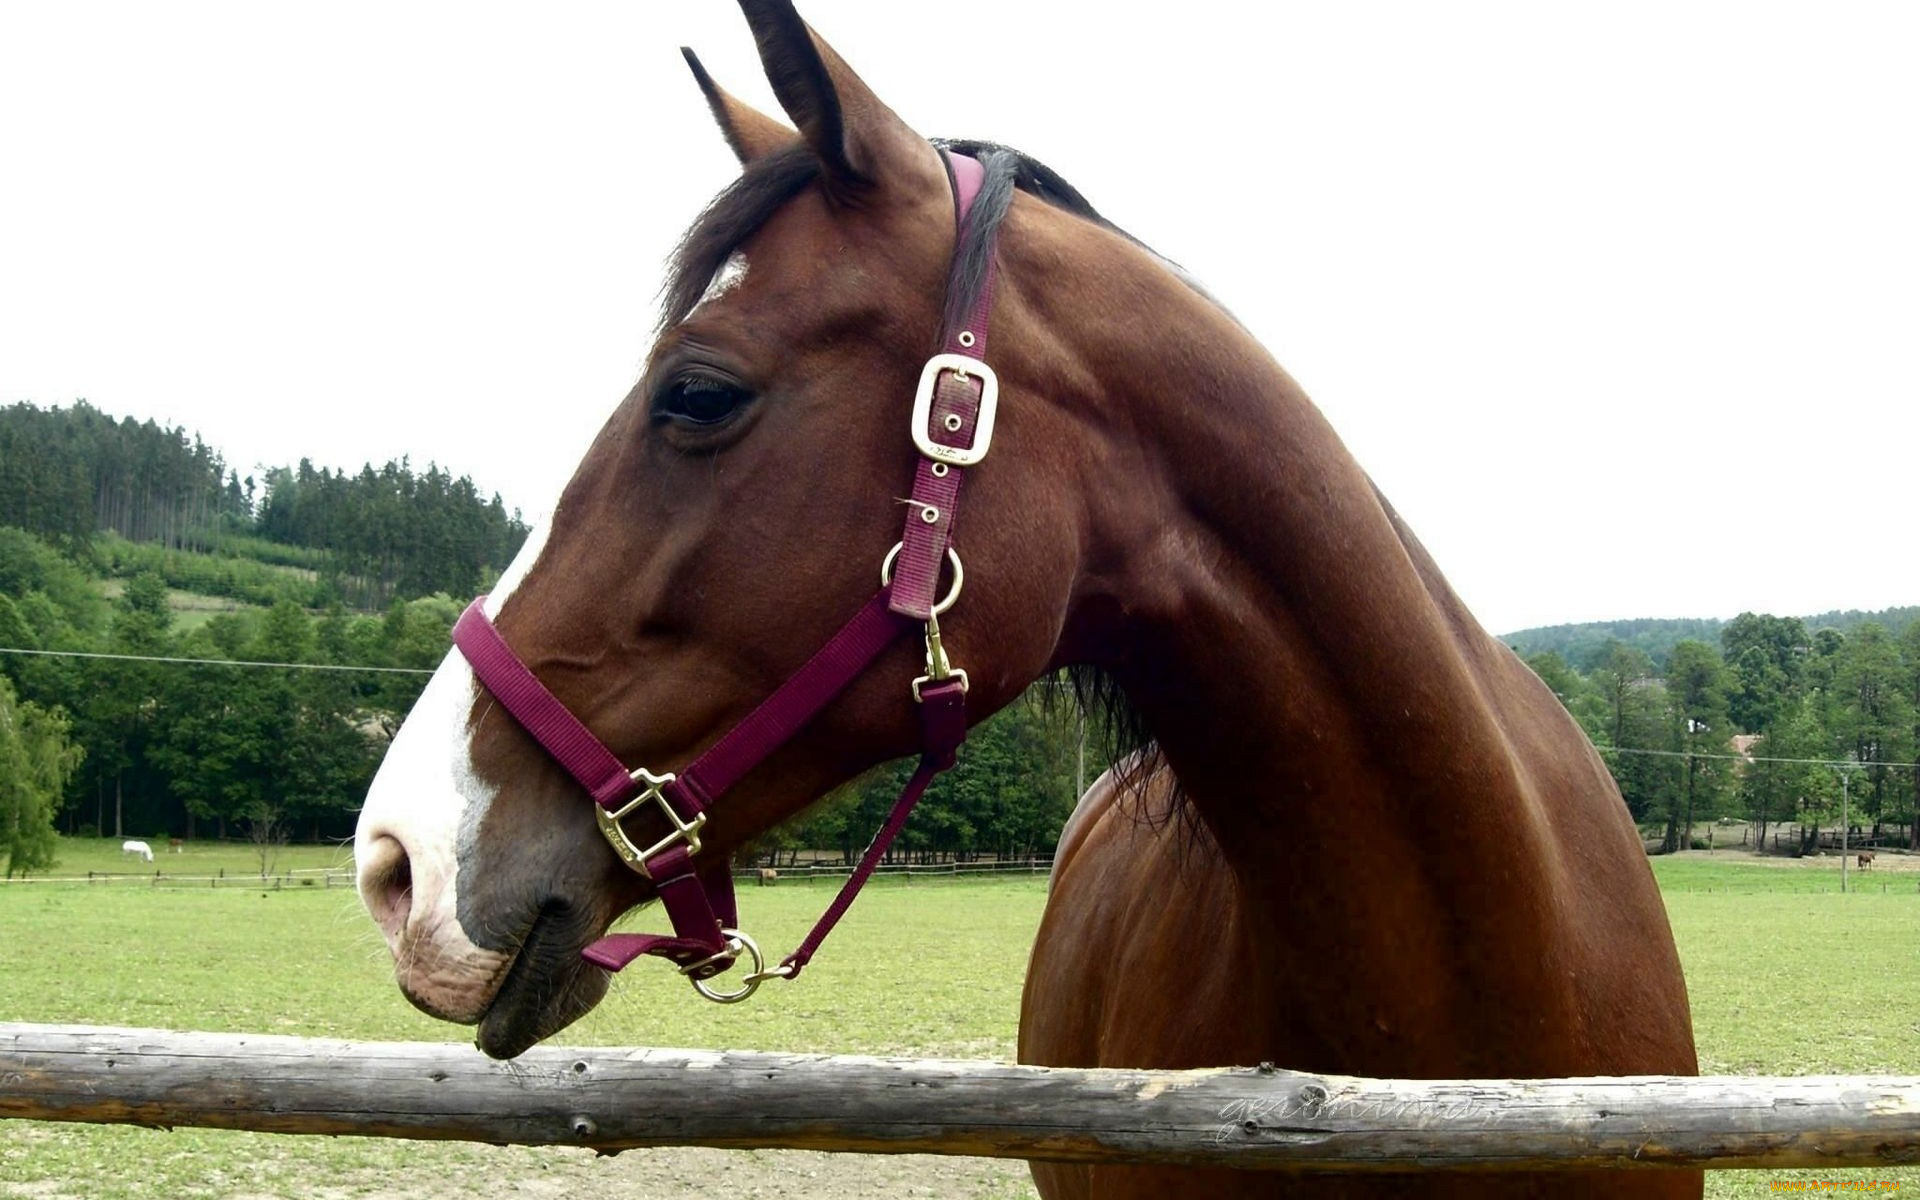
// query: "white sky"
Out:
[1617,302]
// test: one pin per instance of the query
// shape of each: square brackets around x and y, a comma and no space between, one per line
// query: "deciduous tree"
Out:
[1696,688]
[1872,718]
[36,756]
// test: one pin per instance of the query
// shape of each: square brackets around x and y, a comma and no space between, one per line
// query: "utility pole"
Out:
[1846,777]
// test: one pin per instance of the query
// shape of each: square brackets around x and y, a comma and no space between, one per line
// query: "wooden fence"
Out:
[1258,1117]
[1032,866]
[333,877]
[320,877]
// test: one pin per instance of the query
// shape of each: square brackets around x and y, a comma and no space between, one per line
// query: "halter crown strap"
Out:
[953,419]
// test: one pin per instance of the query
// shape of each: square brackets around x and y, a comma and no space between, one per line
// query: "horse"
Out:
[680,658]
[137,849]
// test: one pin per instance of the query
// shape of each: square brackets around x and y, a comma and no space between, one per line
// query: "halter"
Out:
[952,427]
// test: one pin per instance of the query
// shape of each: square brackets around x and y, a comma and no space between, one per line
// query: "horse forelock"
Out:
[736,214]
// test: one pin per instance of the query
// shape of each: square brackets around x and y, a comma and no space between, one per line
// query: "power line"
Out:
[1811,762]
[213,662]
[294,666]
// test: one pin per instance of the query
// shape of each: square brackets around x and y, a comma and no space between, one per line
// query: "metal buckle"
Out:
[966,368]
[939,669]
[737,944]
[953,593]
[632,855]
[956,673]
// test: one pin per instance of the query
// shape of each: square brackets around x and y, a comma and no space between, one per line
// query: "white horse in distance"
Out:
[141,848]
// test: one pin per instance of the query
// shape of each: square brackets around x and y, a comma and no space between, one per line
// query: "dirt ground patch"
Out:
[685,1174]
[696,1174]
[201,1164]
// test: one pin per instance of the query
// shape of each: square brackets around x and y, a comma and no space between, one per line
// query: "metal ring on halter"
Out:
[737,944]
[953,593]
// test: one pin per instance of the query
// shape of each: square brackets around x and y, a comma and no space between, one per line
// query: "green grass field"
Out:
[1784,980]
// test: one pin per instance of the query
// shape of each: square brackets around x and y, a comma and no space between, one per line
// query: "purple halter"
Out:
[952,426]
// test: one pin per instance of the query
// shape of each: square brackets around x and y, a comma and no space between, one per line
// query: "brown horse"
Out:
[1390,851]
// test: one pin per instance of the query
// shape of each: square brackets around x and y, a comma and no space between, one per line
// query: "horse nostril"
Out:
[386,885]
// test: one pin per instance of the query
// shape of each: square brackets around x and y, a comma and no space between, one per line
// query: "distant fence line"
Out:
[330,877]
[1891,887]
[320,877]
[1031,865]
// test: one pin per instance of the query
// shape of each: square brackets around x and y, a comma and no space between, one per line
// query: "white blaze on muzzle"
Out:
[422,817]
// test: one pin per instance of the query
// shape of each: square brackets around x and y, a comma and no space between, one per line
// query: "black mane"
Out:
[1031,176]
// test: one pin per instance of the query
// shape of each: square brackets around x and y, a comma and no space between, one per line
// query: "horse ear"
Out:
[858,138]
[750,132]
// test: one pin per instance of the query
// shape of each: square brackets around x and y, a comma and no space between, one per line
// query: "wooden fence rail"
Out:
[1262,1118]
[904,870]
[321,877]
[332,877]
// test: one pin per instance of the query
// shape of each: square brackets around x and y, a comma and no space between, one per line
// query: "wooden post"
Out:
[1259,1117]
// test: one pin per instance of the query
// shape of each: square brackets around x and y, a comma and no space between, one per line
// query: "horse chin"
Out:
[547,988]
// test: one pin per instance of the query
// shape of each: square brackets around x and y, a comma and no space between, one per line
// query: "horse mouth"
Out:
[547,988]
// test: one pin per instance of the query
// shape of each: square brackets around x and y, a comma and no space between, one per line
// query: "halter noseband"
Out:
[952,427]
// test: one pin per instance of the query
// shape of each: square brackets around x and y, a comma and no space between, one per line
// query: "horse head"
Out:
[731,514]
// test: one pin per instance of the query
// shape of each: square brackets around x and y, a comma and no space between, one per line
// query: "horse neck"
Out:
[1304,668]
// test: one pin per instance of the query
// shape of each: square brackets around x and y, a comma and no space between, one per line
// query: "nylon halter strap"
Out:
[952,426]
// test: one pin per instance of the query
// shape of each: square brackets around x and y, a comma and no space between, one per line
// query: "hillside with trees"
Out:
[72,475]
[136,543]
[1585,646]
[126,538]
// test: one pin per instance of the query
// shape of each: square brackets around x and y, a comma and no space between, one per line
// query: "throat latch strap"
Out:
[943,716]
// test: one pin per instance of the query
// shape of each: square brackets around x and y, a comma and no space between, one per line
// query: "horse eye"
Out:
[698,400]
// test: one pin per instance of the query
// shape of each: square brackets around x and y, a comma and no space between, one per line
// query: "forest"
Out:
[1777,721]
[1586,646]
[126,539]
[78,478]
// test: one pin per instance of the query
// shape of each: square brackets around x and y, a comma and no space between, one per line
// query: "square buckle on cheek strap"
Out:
[683,830]
[689,898]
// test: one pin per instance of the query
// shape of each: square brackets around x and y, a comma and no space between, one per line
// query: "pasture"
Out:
[1787,976]
[196,858]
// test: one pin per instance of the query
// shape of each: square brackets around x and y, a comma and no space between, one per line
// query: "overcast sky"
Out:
[1617,302]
